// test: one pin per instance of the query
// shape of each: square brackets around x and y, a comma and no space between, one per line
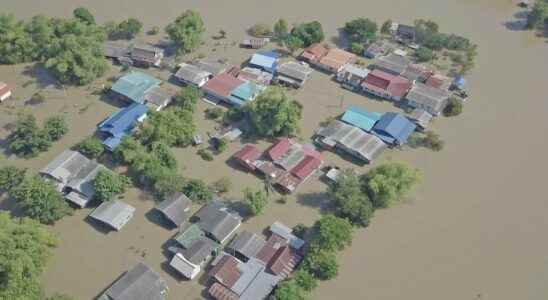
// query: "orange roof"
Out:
[314,52]
[336,58]
[4,88]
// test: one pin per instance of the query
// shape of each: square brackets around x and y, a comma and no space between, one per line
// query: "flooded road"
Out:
[475,229]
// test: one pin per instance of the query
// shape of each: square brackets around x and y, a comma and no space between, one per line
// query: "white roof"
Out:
[185,267]
[114,213]
[287,233]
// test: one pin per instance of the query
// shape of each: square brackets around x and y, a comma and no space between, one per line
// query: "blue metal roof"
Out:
[360,118]
[266,60]
[459,81]
[121,123]
[394,128]
[245,92]
[135,85]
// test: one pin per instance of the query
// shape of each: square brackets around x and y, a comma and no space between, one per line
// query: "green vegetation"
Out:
[300,230]
[173,127]
[332,233]
[205,154]
[220,145]
[349,199]
[223,185]
[361,30]
[11,177]
[28,140]
[305,280]
[293,43]
[356,48]
[281,29]
[260,29]
[289,290]
[233,114]
[321,263]
[538,16]
[60,297]
[188,97]
[16,45]
[274,114]
[214,113]
[25,247]
[84,15]
[108,185]
[386,26]
[40,200]
[424,54]
[91,147]
[308,33]
[256,200]
[429,139]
[125,30]
[197,191]
[453,107]
[186,31]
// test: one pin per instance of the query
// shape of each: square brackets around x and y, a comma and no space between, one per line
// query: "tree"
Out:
[289,290]
[173,127]
[108,185]
[361,30]
[322,264]
[305,280]
[154,30]
[55,127]
[356,48]
[91,147]
[424,54]
[309,33]
[386,26]
[16,46]
[260,29]
[349,200]
[256,200]
[84,15]
[425,29]
[127,29]
[168,184]
[186,31]
[197,191]
[11,177]
[332,233]
[274,114]
[389,182]
[430,140]
[214,113]
[188,97]
[233,114]
[27,139]
[293,43]
[222,185]
[281,29]
[25,247]
[40,200]
[538,14]
[300,230]
[453,107]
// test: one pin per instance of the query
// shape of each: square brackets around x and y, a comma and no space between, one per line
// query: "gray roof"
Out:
[216,220]
[115,51]
[139,283]
[158,97]
[261,286]
[247,243]
[392,63]
[282,230]
[355,70]
[175,208]
[200,250]
[294,70]
[428,96]
[183,266]
[114,213]
[191,73]
[65,166]
[146,52]
[420,117]
[378,48]
[212,66]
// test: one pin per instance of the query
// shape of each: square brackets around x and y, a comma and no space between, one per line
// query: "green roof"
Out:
[189,235]
[135,85]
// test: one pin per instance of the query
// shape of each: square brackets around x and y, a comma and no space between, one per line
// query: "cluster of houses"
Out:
[286,164]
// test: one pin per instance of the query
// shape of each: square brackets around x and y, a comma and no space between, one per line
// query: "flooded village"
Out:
[471,229]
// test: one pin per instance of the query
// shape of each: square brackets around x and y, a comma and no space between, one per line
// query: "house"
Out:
[280,229]
[360,118]
[439,81]
[5,91]
[134,86]
[147,56]
[265,60]
[184,266]
[217,221]
[377,49]
[246,245]
[214,67]
[421,118]
[429,98]
[157,98]
[255,42]
[118,53]
[406,33]
[226,271]
[73,174]
[245,93]
[255,75]
[220,87]
[192,75]
[121,124]
[351,140]
[417,73]
[314,53]
[175,208]
[394,128]
[293,74]
[201,250]
[386,85]
[392,63]
[351,77]
[188,235]
[247,156]
[335,59]
[139,283]
[113,213]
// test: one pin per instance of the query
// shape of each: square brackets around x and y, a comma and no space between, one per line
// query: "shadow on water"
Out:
[156,217]
[43,78]
[319,200]
[98,226]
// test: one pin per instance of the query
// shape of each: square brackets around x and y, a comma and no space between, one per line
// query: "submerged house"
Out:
[439,81]
[220,87]
[313,53]
[214,67]
[351,77]
[189,74]
[147,56]
[386,85]
[265,60]
[134,86]
[335,59]
[255,75]
[73,174]
[421,118]
[121,124]
[188,235]
[189,262]
[255,42]
[377,49]
[139,283]
[113,213]
[417,73]
[246,245]
[175,208]
[5,91]
[217,221]
[428,98]
[393,128]
[157,98]
[293,74]
[406,33]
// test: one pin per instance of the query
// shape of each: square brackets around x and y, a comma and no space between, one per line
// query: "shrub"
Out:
[205,155]
[356,48]
[91,147]
[424,54]
[260,29]
[256,200]
[55,127]
[213,113]
[222,185]
[197,191]
[108,185]
[11,177]
[233,114]
[453,107]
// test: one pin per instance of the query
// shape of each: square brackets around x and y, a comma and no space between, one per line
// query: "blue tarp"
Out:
[394,128]
[265,60]
[459,82]
[120,124]
[360,118]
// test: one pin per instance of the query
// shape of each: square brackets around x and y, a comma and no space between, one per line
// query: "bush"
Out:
[260,29]
[11,177]
[308,33]
[91,147]
[424,54]
[205,155]
[453,107]
[27,139]
[55,127]
[300,230]
[274,114]
[349,200]
[188,97]
[289,290]
[84,15]
[108,185]
[233,114]
[256,200]
[356,48]
[361,30]
[186,31]
[127,29]
[305,280]
[386,26]
[222,185]
[173,127]
[213,113]
[332,233]
[220,145]
[197,191]
[322,264]
[430,140]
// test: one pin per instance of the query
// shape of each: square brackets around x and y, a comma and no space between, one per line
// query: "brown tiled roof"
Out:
[285,260]
[308,165]
[247,155]
[336,58]
[314,52]
[226,271]
[219,292]
[279,149]
[273,244]
[222,84]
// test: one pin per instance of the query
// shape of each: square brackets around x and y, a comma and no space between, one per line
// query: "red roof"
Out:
[314,52]
[306,167]
[4,88]
[222,84]
[247,155]
[399,86]
[382,81]
[437,81]
[226,271]
[273,244]
[285,260]
[219,292]
[279,149]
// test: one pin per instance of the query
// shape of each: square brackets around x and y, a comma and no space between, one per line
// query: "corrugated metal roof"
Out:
[394,128]
[139,283]
[135,85]
[266,60]
[360,118]
[121,123]
[114,213]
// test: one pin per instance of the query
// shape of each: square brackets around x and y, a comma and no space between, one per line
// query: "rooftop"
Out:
[188,235]
[121,123]
[428,96]
[394,128]
[191,73]
[360,118]
[336,58]
[114,213]
[247,243]
[175,208]
[222,85]
[135,85]
[295,70]
[139,283]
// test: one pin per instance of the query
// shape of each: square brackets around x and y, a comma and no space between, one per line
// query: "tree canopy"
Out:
[361,30]
[308,33]
[55,127]
[91,147]
[188,97]
[538,15]
[108,185]
[173,126]
[333,233]
[197,191]
[10,177]
[289,290]
[323,264]
[274,114]
[281,29]
[16,46]
[27,139]
[349,200]
[186,31]
[84,15]
[256,200]
[453,108]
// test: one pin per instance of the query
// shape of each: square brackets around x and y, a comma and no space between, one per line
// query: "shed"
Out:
[255,75]
[5,91]
[114,213]
[175,208]
[377,49]
[191,74]
[246,245]
[121,124]
[134,86]
[139,283]
[293,74]
[214,67]
[287,233]
[265,60]
[406,33]
[185,267]
[360,118]
[394,128]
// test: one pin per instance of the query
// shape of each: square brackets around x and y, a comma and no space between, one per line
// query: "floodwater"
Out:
[476,227]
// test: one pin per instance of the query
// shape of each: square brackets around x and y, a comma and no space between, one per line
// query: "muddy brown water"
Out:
[475,229]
